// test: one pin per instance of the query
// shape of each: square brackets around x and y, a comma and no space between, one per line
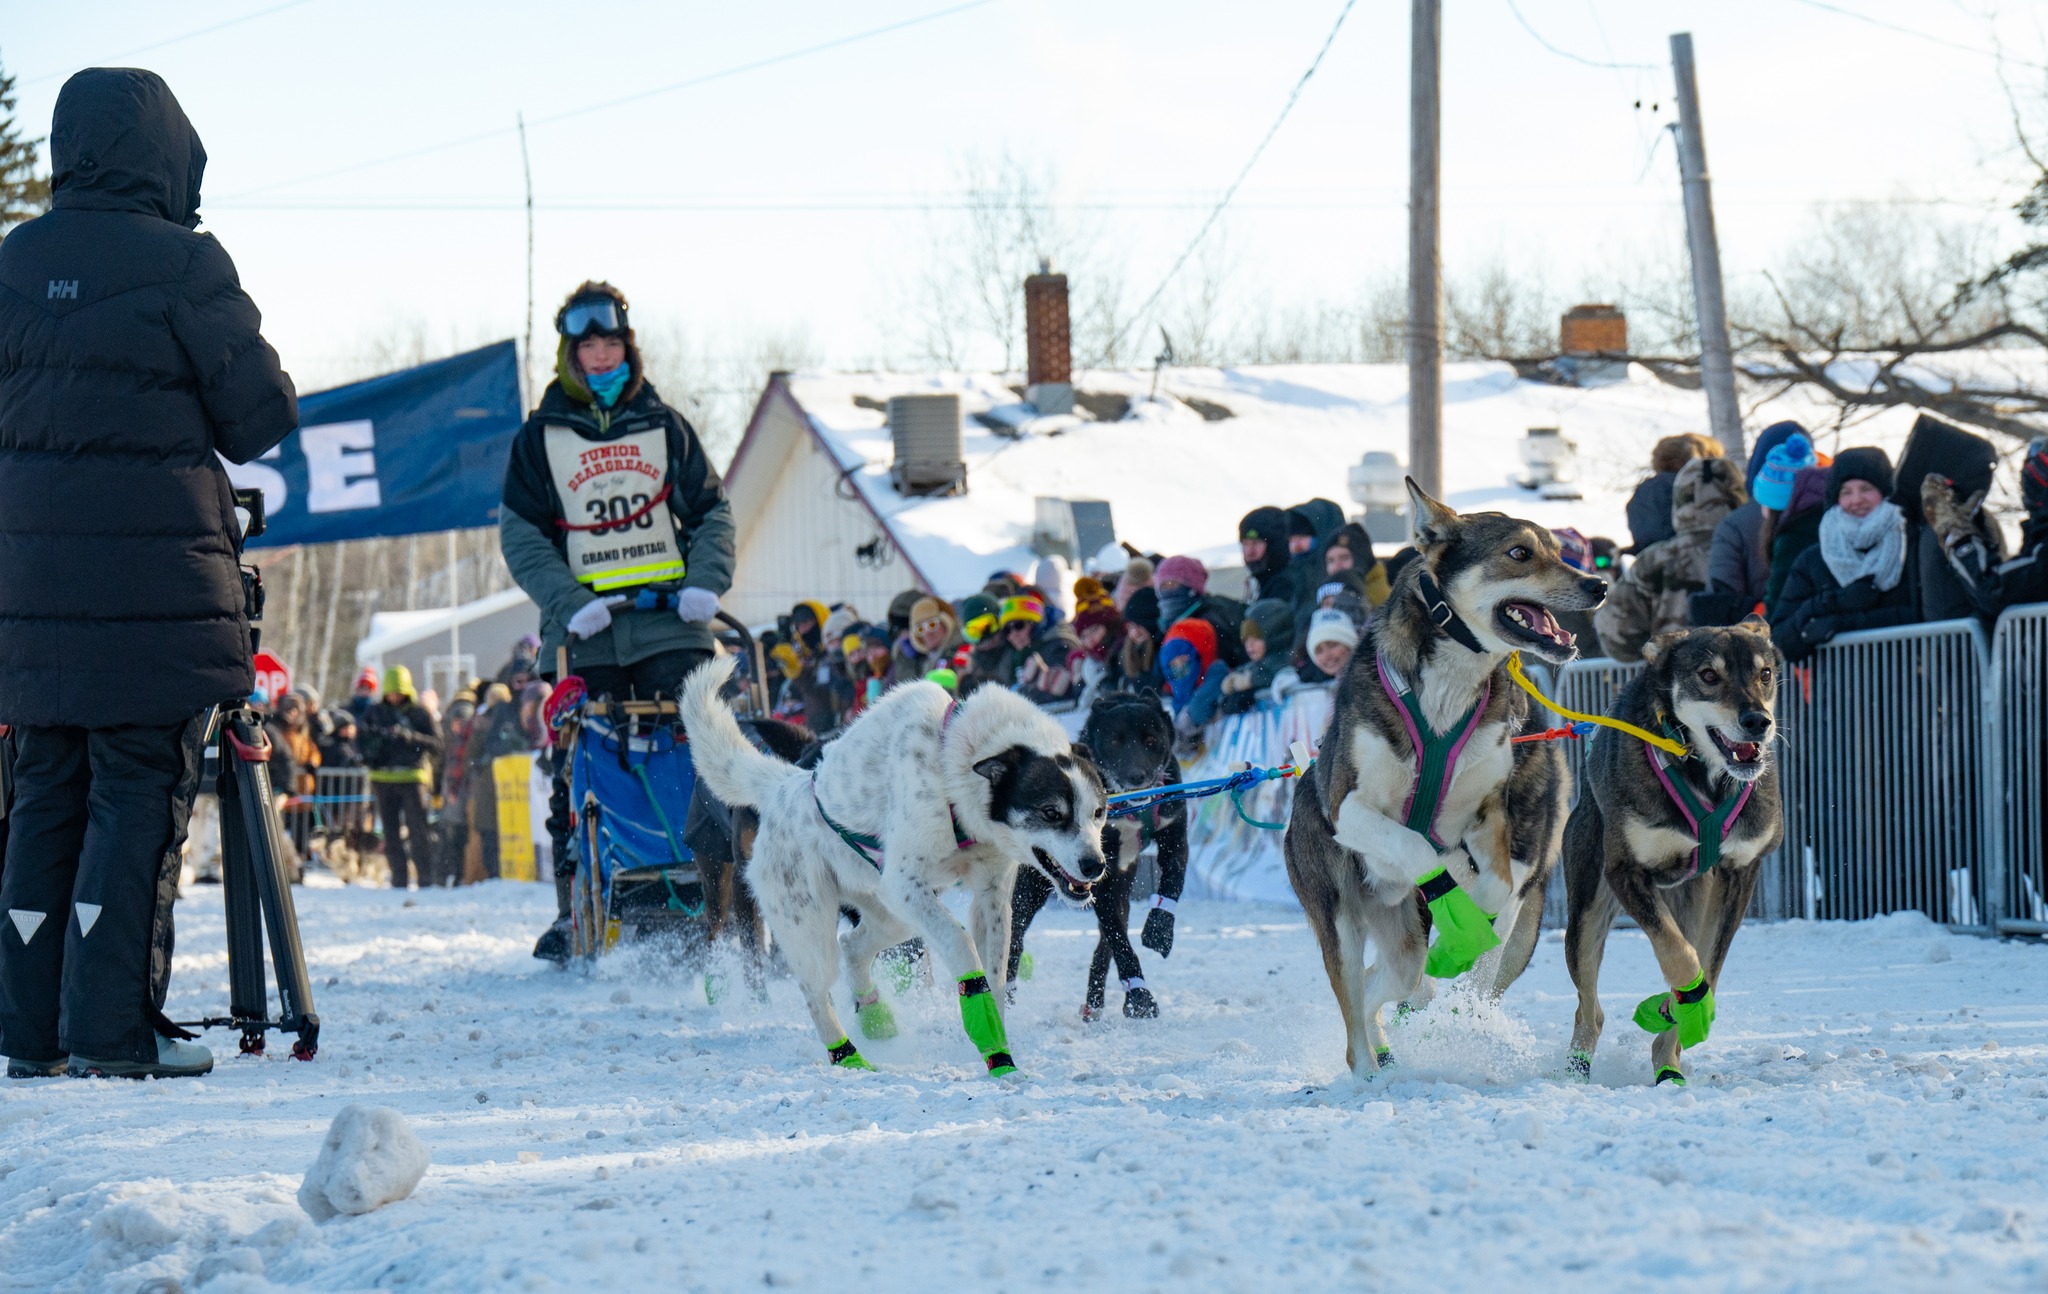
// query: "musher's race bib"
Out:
[621,533]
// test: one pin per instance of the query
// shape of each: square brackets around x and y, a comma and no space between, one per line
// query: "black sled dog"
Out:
[1674,842]
[1405,822]
[1131,740]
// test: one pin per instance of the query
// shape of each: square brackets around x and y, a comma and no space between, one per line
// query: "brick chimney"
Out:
[1593,330]
[1048,343]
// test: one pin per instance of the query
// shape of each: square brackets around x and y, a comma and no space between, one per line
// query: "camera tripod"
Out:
[255,886]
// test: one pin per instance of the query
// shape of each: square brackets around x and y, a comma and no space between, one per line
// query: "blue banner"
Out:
[408,453]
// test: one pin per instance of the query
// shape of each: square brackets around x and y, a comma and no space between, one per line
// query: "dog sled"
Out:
[631,787]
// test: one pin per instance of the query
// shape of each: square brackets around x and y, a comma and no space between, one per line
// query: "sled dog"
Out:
[1674,842]
[1407,820]
[1131,740]
[918,793]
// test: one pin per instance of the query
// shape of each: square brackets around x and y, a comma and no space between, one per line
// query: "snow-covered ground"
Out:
[1871,1114]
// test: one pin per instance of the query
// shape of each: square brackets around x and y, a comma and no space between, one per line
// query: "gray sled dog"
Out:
[919,793]
[1407,820]
[1674,842]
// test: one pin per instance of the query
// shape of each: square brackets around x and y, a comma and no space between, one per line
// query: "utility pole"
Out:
[1425,257]
[526,362]
[1717,361]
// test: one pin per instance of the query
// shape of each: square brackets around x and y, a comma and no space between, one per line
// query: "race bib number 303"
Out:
[621,533]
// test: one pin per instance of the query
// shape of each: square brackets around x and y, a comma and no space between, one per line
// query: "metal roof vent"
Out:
[1076,529]
[926,433]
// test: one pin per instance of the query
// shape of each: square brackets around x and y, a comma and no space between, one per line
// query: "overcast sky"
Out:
[789,195]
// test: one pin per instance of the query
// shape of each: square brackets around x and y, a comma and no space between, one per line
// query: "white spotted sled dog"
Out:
[1409,818]
[1674,840]
[919,793]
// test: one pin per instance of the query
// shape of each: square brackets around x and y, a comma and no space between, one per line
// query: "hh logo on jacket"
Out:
[62,290]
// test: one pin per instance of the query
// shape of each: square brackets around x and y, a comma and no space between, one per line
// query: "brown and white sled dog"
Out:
[1417,773]
[919,792]
[1675,842]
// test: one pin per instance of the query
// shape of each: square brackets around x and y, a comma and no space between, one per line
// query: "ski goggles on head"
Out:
[978,628]
[600,315]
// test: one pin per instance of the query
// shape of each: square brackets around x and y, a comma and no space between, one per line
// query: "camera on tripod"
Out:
[255,887]
[249,504]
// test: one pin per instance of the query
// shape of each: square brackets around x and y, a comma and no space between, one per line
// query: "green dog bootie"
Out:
[847,1056]
[1579,1064]
[1693,1004]
[877,1021]
[901,969]
[714,988]
[984,1024]
[1689,1009]
[1653,1014]
[1464,934]
[1670,1075]
[1026,964]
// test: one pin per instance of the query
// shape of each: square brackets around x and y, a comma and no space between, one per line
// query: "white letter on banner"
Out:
[255,476]
[338,480]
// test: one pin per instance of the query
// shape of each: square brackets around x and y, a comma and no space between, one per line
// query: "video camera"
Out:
[250,504]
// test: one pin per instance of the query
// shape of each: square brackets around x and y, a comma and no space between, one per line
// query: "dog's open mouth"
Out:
[1071,888]
[1742,756]
[1532,623]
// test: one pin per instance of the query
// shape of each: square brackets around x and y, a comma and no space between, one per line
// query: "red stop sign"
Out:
[273,680]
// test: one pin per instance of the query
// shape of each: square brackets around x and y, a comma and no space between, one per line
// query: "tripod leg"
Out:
[248,992]
[266,865]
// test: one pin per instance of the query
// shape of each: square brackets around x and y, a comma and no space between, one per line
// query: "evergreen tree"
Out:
[24,191]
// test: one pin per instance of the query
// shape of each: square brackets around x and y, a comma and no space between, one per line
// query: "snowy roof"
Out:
[391,630]
[1178,482]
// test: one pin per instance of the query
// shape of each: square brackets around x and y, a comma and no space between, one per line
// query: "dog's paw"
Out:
[1669,1074]
[1139,1004]
[1385,1057]
[1579,1065]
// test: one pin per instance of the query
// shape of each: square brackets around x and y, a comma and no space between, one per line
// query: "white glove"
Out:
[595,617]
[696,605]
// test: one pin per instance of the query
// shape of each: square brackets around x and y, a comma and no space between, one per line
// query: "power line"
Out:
[190,35]
[685,84]
[1930,37]
[1216,213]
[629,206]
[1537,36]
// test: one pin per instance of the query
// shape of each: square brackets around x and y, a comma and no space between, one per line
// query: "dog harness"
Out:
[1710,827]
[870,847]
[1436,754]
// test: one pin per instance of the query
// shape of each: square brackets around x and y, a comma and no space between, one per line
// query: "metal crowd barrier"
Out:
[1906,760]
[2016,746]
[1914,768]
[335,824]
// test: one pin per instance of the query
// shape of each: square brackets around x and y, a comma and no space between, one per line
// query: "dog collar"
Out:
[1441,615]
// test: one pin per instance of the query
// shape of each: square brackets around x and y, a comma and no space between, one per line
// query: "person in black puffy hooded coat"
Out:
[129,359]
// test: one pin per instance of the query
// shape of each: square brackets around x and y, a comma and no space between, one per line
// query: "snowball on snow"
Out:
[369,1158]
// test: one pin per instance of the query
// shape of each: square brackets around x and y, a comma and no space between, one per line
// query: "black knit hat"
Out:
[1864,463]
[1269,524]
[1143,610]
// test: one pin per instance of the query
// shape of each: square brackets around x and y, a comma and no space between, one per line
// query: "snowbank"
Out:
[1867,1116]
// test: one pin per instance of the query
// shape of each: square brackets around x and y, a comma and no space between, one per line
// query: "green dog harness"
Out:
[1710,826]
[1436,754]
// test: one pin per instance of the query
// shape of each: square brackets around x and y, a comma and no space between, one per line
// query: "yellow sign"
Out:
[512,775]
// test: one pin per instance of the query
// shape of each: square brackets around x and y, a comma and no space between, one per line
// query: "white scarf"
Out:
[1874,544]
